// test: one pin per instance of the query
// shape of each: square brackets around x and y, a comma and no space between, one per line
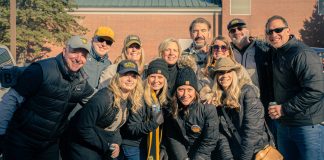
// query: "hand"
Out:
[115,152]
[158,117]
[275,111]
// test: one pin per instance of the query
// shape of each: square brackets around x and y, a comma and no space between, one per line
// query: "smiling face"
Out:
[200,34]
[128,82]
[156,81]
[225,79]
[133,52]
[238,36]
[101,45]
[221,50]
[75,58]
[171,53]
[186,94]
[277,40]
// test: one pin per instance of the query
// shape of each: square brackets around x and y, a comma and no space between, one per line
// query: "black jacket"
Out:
[298,83]
[43,115]
[137,127]
[94,127]
[193,136]
[249,121]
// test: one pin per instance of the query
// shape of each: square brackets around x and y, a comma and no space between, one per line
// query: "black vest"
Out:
[44,115]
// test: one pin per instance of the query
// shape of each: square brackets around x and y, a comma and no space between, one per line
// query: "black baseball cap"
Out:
[127,66]
[235,22]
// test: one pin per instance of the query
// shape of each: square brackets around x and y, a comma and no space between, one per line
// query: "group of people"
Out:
[209,101]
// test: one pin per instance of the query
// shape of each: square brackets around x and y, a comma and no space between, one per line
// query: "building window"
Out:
[320,7]
[240,7]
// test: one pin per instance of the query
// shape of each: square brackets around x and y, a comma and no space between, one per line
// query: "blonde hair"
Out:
[165,43]
[230,97]
[162,97]
[123,56]
[135,96]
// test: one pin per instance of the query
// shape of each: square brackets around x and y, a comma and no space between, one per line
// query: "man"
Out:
[200,34]
[299,93]
[253,55]
[38,105]
[98,59]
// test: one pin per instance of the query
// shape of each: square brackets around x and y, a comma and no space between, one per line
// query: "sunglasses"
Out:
[277,30]
[222,48]
[233,30]
[108,42]
[135,46]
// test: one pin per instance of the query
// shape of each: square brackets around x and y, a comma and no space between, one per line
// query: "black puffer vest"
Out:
[44,115]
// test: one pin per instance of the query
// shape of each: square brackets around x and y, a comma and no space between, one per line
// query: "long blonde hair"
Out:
[230,97]
[162,97]
[135,96]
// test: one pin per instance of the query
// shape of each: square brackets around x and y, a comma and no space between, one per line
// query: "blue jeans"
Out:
[131,153]
[301,142]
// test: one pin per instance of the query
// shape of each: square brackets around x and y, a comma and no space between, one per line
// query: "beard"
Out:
[242,40]
[200,45]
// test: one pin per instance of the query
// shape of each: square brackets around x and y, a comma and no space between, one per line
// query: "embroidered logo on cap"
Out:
[187,83]
[158,71]
[129,65]
[235,21]
[84,41]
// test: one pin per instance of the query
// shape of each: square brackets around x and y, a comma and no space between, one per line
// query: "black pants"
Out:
[19,146]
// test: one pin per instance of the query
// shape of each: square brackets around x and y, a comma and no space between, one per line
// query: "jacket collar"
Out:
[93,53]
[292,40]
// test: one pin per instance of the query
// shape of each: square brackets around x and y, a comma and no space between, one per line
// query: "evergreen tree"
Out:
[313,31]
[39,22]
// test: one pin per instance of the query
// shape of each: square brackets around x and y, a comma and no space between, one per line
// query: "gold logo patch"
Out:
[234,22]
[84,41]
[195,128]
[129,65]
[158,71]
[187,83]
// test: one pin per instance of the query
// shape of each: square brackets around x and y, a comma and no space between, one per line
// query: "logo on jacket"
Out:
[195,128]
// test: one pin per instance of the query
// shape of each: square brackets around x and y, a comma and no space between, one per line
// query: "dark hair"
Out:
[275,17]
[199,20]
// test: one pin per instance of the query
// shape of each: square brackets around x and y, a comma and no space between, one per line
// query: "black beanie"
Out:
[158,66]
[186,76]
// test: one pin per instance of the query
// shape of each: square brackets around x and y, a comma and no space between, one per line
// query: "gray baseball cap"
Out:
[79,42]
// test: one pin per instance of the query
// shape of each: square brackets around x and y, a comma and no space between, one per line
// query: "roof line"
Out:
[214,9]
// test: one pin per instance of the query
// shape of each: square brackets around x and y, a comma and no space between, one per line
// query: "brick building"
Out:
[155,20]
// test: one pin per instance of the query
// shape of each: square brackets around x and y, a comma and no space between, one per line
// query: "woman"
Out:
[243,107]
[132,50]
[95,128]
[220,48]
[191,128]
[170,51]
[145,123]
